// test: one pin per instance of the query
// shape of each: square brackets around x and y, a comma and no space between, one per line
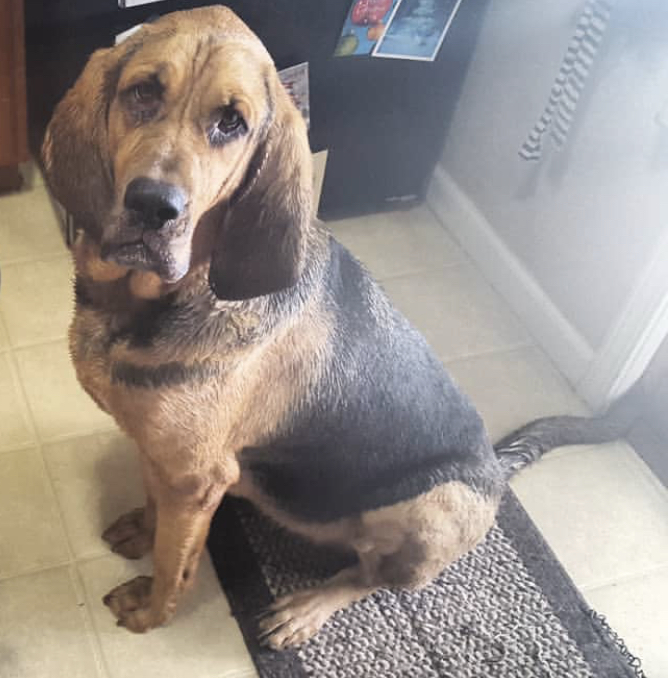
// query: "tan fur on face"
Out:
[146,285]
[96,143]
[87,261]
[174,146]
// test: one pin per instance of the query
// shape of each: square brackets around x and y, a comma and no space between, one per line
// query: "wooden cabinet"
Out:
[13,123]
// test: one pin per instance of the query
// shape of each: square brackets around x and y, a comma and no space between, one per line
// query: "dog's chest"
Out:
[90,348]
[142,383]
[169,393]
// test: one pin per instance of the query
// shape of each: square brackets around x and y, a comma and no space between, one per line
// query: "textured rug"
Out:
[507,609]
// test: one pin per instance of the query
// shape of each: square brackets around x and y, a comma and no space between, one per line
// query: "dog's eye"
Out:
[229,124]
[230,120]
[146,92]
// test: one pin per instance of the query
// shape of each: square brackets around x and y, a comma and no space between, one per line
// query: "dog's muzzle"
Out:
[152,232]
[155,202]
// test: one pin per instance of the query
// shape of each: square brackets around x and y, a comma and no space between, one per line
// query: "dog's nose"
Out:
[157,201]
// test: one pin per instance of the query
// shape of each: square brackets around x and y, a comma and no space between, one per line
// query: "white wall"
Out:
[583,222]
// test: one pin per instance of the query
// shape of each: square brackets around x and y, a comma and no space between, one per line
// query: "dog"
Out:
[242,348]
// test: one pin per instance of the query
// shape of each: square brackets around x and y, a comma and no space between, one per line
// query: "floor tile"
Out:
[37,300]
[32,535]
[601,510]
[15,428]
[397,243]
[29,227]
[514,387]
[42,628]
[59,405]
[202,640]
[637,609]
[96,478]
[457,311]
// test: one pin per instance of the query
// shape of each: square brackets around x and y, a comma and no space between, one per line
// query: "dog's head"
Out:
[179,148]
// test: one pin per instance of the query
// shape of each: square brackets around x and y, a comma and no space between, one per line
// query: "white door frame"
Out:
[635,337]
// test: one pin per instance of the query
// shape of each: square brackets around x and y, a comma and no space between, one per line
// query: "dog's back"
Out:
[384,424]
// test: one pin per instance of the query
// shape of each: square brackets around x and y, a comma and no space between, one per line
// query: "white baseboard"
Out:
[504,271]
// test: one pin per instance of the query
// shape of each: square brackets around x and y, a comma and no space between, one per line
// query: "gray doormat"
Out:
[508,609]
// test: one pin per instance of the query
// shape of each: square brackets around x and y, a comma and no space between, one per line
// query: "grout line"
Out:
[89,621]
[20,389]
[623,579]
[415,272]
[41,258]
[490,352]
[59,508]
[511,348]
[35,570]
[64,437]
[22,447]
[430,269]
[75,560]
[43,342]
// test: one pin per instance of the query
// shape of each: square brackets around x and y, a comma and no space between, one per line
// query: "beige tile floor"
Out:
[65,472]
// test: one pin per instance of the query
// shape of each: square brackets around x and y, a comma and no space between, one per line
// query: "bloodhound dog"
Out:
[240,346]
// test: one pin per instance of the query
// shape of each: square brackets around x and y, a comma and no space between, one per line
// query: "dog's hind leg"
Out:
[401,546]
[297,617]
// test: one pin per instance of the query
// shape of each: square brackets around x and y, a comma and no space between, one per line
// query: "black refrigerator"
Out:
[383,120]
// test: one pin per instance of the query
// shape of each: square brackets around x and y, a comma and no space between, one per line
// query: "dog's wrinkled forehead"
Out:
[207,23]
[188,57]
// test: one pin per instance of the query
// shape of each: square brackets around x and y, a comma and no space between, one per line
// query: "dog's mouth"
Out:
[164,251]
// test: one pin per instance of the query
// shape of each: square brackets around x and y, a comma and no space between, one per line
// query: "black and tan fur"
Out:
[241,347]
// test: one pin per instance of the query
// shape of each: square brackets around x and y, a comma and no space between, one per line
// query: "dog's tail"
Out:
[532,441]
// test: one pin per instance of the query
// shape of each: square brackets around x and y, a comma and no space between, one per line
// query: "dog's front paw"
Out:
[130,536]
[131,604]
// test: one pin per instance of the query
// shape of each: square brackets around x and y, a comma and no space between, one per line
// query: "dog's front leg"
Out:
[183,519]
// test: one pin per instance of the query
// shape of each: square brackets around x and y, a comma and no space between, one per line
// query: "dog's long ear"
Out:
[260,246]
[75,150]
